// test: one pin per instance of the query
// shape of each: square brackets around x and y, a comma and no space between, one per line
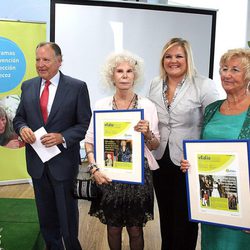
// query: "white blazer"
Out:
[150,114]
[185,117]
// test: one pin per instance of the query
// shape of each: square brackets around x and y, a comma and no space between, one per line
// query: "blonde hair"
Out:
[114,59]
[191,71]
[243,55]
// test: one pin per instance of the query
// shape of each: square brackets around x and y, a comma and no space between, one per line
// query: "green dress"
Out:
[218,126]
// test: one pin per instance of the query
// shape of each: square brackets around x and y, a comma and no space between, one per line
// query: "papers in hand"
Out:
[44,153]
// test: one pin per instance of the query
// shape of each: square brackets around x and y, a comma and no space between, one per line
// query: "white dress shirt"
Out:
[52,90]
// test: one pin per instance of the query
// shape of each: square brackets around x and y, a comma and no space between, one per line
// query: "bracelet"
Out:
[88,152]
[97,169]
[149,141]
[91,166]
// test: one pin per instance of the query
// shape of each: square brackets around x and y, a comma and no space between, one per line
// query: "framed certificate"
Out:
[119,149]
[218,182]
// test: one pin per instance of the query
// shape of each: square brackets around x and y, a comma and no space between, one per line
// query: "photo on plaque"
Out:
[118,153]
[218,182]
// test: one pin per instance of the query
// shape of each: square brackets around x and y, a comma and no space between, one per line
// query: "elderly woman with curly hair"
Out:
[122,204]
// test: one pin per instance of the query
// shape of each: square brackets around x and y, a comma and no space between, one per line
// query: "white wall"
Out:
[231,28]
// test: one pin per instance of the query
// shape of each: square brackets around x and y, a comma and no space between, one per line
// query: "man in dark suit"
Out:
[66,120]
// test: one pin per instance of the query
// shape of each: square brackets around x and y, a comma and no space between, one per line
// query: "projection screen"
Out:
[88,31]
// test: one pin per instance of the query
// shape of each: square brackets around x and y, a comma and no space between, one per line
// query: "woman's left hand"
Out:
[143,127]
[149,138]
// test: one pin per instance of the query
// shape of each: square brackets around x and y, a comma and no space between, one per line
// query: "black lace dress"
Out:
[122,204]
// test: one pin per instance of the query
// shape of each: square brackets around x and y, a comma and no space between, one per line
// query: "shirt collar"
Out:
[54,80]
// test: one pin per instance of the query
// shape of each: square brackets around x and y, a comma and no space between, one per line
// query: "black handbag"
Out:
[84,186]
[85,189]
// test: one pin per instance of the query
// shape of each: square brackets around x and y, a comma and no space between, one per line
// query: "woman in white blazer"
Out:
[180,95]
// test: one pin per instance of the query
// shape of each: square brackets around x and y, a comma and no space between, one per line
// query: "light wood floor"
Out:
[92,233]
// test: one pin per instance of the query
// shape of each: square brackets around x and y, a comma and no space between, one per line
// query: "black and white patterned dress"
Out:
[122,204]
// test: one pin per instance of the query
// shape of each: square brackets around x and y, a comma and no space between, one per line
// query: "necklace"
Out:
[129,102]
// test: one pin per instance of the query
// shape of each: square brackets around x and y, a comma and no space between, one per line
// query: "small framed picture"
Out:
[119,149]
[218,182]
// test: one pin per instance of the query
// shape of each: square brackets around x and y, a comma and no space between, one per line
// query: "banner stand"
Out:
[18,41]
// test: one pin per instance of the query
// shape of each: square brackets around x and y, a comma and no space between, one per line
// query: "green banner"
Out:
[18,41]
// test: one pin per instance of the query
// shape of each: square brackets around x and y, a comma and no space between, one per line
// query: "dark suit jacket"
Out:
[70,115]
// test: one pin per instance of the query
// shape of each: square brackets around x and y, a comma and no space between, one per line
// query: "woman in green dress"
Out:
[228,119]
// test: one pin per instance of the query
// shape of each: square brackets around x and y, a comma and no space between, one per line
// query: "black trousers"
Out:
[57,212]
[177,232]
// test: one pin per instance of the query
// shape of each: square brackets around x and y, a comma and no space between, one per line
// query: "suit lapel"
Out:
[157,96]
[37,87]
[158,99]
[61,92]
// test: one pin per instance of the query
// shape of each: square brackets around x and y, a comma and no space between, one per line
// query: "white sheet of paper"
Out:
[44,153]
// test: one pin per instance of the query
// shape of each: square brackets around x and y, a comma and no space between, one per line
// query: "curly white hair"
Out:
[116,58]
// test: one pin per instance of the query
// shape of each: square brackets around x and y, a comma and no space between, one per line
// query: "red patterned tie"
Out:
[44,101]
